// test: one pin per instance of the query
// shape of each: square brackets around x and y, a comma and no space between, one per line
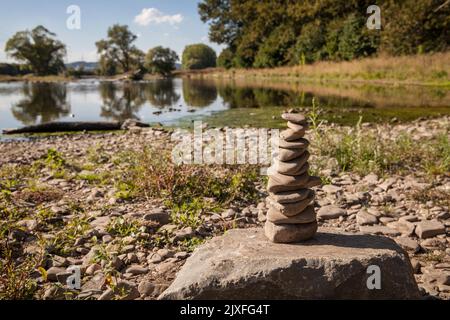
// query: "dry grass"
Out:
[416,69]
[363,151]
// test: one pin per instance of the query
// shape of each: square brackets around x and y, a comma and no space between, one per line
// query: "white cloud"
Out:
[153,15]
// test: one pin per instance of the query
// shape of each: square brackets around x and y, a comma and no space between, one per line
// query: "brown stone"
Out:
[294,167]
[290,233]
[280,182]
[363,218]
[295,144]
[297,118]
[291,135]
[306,216]
[289,154]
[300,171]
[243,265]
[290,196]
[331,212]
[291,209]
[297,127]
[429,229]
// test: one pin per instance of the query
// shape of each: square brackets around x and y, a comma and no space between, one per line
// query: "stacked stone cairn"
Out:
[291,217]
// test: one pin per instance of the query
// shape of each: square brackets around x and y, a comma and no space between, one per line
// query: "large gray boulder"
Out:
[243,264]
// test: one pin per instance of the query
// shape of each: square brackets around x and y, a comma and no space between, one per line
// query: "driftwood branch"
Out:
[76,126]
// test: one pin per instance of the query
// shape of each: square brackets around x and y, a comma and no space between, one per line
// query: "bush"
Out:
[12,69]
[161,60]
[198,56]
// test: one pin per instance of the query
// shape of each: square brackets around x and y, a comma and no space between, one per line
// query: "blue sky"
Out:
[170,23]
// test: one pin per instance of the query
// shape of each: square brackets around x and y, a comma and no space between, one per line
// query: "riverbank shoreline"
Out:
[66,79]
[417,70]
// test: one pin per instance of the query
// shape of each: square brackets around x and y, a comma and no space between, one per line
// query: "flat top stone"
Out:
[244,264]
[327,243]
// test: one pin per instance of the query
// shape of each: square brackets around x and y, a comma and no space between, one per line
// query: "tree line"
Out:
[294,32]
[257,34]
[41,53]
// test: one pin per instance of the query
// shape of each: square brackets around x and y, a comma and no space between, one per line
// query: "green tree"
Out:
[118,49]
[225,59]
[272,33]
[354,40]
[223,27]
[310,44]
[275,50]
[39,49]
[161,60]
[198,56]
[107,67]
[410,26]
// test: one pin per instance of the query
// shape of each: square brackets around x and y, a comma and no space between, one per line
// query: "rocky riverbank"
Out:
[115,206]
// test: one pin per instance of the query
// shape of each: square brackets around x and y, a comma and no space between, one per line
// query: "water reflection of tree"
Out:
[237,97]
[121,102]
[161,93]
[47,101]
[275,98]
[249,97]
[198,93]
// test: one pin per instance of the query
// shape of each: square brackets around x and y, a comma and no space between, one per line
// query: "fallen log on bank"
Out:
[52,127]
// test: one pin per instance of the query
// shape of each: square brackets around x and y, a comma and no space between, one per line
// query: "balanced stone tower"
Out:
[291,216]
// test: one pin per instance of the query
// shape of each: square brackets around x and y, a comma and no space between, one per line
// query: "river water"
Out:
[180,101]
